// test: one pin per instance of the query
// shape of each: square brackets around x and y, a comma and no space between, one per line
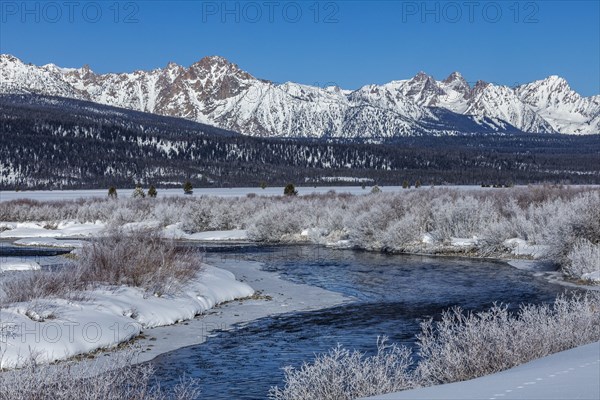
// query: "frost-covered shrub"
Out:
[32,285]
[404,235]
[465,346]
[463,217]
[92,381]
[583,259]
[141,259]
[276,222]
[367,230]
[342,374]
[458,347]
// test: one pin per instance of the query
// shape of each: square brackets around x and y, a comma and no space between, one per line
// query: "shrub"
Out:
[140,258]
[458,347]
[343,375]
[91,381]
[583,259]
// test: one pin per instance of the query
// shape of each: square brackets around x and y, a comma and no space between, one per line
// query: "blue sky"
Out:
[348,43]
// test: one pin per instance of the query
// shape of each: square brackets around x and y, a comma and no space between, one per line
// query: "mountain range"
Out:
[217,92]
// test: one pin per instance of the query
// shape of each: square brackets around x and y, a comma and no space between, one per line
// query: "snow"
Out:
[592,276]
[65,229]
[49,242]
[57,329]
[274,296]
[254,106]
[173,231]
[53,195]
[17,264]
[520,247]
[571,374]
[463,242]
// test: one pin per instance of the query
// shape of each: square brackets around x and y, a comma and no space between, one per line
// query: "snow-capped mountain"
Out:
[563,108]
[217,92]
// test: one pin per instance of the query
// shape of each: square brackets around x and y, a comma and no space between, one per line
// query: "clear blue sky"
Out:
[348,43]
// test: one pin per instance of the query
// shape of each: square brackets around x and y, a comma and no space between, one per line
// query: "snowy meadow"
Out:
[129,273]
[556,223]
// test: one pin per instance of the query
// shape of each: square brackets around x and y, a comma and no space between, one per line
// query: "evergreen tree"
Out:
[290,190]
[112,192]
[405,184]
[263,185]
[152,191]
[188,188]
[138,193]
[418,184]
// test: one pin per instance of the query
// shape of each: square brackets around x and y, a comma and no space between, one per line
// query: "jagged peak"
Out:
[481,85]
[172,65]
[453,77]
[10,58]
[421,76]
[209,61]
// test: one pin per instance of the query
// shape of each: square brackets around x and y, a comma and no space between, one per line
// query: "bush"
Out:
[466,346]
[458,347]
[92,381]
[140,258]
[583,259]
[344,375]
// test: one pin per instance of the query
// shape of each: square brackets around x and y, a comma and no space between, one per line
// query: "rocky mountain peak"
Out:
[216,91]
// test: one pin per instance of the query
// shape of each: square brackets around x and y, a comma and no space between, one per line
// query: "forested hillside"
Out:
[48,142]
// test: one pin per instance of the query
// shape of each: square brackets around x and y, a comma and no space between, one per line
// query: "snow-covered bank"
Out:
[50,242]
[64,229]
[57,329]
[274,295]
[17,264]
[571,374]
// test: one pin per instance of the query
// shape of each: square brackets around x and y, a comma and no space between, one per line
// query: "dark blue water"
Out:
[393,294]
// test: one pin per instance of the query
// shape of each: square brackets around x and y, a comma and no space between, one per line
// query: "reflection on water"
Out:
[394,293]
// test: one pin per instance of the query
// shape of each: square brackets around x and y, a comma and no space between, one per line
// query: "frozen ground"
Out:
[42,195]
[17,264]
[57,329]
[571,374]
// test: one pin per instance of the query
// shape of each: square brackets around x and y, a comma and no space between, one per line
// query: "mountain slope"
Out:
[50,142]
[216,92]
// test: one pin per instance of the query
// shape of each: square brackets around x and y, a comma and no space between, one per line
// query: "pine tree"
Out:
[112,192]
[188,188]
[290,190]
[152,191]
[138,193]
[263,185]
[405,184]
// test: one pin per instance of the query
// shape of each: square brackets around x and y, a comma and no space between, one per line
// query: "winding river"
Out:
[393,294]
